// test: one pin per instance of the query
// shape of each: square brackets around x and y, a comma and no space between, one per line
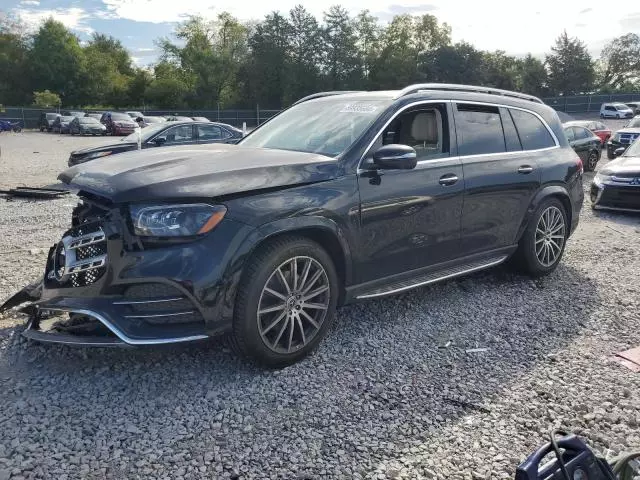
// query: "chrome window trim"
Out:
[460,157]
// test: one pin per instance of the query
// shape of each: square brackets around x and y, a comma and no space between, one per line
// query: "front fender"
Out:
[262,233]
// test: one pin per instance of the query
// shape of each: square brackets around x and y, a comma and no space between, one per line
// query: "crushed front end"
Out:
[104,286]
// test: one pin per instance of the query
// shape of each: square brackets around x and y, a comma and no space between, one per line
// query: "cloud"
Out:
[391,11]
[33,3]
[631,21]
[73,18]
[585,10]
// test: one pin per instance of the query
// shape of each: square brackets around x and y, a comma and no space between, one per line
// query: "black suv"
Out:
[341,197]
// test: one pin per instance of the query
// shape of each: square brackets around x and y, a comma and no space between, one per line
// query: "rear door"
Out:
[500,177]
[582,143]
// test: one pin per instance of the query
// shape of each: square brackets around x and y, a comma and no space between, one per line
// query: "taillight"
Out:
[580,165]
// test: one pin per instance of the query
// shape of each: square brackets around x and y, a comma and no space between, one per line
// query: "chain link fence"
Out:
[29,117]
[588,103]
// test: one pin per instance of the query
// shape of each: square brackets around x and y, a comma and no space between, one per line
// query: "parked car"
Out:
[145,121]
[61,124]
[599,128]
[586,144]
[615,110]
[87,126]
[134,114]
[162,134]
[96,115]
[118,123]
[7,125]
[200,119]
[73,113]
[623,137]
[341,197]
[46,121]
[178,118]
[616,186]
[635,106]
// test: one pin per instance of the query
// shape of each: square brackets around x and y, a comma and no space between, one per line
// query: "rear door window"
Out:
[479,129]
[533,133]
[569,133]
[510,133]
[581,133]
[207,133]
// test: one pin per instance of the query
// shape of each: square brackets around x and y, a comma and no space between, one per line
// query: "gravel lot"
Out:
[391,393]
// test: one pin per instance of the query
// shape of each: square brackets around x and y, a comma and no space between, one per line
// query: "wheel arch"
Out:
[548,191]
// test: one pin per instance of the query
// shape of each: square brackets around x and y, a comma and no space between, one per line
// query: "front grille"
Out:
[628,138]
[621,197]
[80,258]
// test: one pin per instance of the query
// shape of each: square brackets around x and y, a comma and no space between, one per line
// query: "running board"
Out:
[433,277]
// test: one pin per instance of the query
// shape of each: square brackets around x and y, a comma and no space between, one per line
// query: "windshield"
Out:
[88,120]
[327,126]
[634,123]
[146,133]
[120,116]
[52,116]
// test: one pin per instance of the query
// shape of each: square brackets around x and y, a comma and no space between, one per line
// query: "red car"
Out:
[118,123]
[599,128]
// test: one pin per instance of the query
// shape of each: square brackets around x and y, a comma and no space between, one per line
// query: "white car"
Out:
[615,110]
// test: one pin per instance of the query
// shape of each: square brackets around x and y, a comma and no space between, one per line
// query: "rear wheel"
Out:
[286,302]
[592,161]
[542,244]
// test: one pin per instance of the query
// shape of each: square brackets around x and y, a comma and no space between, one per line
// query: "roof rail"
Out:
[451,87]
[325,94]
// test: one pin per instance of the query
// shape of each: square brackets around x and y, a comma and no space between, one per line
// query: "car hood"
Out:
[622,166]
[629,130]
[205,171]
[113,147]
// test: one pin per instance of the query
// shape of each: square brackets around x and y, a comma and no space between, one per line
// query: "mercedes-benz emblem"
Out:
[59,261]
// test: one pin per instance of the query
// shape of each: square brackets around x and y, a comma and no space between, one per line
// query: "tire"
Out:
[592,161]
[41,129]
[282,337]
[610,155]
[529,258]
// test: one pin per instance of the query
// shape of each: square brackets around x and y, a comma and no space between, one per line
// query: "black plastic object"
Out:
[579,461]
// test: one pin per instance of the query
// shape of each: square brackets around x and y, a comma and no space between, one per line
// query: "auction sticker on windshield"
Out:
[358,108]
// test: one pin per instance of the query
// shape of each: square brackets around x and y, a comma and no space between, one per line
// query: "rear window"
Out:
[533,134]
[479,130]
[120,116]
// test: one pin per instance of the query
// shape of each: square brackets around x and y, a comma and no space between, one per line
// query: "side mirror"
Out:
[160,141]
[139,120]
[395,157]
[619,151]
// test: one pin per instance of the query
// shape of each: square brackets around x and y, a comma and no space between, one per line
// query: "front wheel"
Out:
[286,302]
[542,244]
[592,161]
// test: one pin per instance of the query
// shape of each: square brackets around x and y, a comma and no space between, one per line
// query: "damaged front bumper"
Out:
[99,290]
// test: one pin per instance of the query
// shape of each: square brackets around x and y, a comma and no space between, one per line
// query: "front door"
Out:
[411,218]
[501,174]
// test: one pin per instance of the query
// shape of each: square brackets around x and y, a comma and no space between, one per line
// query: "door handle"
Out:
[448,179]
[525,169]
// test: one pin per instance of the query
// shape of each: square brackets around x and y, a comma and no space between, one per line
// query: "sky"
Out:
[513,26]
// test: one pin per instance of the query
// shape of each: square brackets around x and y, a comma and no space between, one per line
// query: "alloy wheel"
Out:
[293,304]
[592,161]
[550,236]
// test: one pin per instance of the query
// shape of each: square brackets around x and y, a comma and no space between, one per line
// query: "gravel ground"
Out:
[391,393]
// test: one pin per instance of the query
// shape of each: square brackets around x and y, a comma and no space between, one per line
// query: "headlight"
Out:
[599,179]
[175,220]
[98,155]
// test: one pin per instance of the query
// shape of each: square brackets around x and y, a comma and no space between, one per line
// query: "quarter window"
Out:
[209,132]
[479,130]
[569,133]
[533,134]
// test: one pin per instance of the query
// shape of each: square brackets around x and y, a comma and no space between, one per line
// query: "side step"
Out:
[434,277]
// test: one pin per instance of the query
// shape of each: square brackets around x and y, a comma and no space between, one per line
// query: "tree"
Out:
[532,76]
[459,63]
[46,99]
[14,87]
[571,69]
[304,55]
[341,63]
[268,60]
[620,61]
[368,34]
[500,70]
[170,87]
[56,62]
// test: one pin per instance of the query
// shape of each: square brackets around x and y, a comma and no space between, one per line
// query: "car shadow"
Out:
[400,366]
